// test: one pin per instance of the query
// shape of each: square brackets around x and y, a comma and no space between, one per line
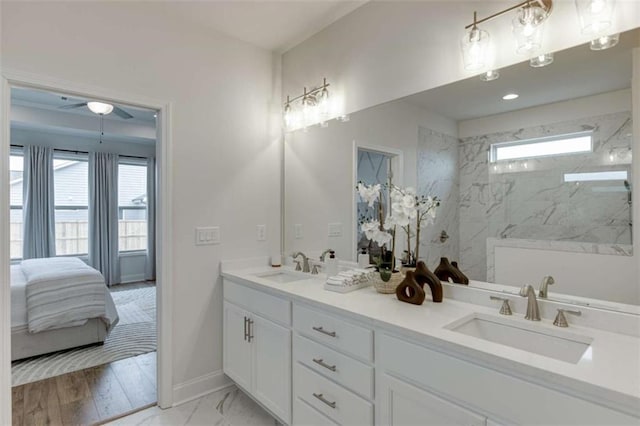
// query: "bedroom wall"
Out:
[226,156]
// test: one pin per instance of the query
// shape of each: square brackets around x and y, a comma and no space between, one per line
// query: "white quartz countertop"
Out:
[609,369]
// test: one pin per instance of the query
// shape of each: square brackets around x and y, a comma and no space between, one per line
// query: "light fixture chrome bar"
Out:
[546,5]
[311,92]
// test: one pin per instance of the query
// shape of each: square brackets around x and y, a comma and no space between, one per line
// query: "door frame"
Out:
[397,165]
[13,78]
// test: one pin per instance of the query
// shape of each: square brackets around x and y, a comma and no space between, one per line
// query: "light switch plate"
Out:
[297,230]
[261,232]
[207,235]
[335,229]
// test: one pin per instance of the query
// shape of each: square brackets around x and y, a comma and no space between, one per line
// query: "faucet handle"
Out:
[561,320]
[505,309]
[298,267]
[316,268]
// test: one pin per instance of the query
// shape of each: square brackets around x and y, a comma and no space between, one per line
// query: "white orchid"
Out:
[369,193]
[405,208]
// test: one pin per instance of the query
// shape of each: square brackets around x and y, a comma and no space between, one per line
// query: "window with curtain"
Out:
[71,183]
[132,206]
[16,167]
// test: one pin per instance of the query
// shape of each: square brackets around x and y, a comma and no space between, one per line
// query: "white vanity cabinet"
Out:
[311,363]
[257,346]
[333,371]
[452,391]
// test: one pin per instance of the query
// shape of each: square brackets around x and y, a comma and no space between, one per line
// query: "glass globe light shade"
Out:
[527,29]
[100,108]
[475,46]
[604,42]
[541,60]
[595,16]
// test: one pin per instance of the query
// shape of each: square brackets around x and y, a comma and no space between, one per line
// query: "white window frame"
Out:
[493,150]
[130,161]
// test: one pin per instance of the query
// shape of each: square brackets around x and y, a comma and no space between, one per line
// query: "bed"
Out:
[62,279]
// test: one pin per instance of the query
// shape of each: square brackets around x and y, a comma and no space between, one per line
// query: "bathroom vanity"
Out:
[315,357]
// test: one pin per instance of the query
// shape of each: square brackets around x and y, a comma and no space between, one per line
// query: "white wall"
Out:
[226,163]
[319,182]
[387,50]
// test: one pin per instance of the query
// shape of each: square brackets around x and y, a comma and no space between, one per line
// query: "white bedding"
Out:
[19,318]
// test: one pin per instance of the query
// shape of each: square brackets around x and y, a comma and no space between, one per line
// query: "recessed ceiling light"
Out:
[510,96]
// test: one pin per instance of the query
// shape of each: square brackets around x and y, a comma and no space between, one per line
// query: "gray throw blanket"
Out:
[62,292]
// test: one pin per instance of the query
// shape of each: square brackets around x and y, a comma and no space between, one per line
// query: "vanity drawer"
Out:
[345,370]
[334,332]
[304,414]
[263,304]
[334,401]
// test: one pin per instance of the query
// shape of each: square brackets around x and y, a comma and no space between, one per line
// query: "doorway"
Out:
[162,228]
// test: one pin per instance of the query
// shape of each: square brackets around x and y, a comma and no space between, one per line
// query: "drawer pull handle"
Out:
[323,331]
[245,328]
[323,399]
[321,363]
[249,329]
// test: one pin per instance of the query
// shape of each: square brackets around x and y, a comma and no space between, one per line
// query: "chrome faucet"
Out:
[546,281]
[305,261]
[324,254]
[533,313]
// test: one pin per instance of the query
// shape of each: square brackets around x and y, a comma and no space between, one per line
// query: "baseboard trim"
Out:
[200,386]
[132,278]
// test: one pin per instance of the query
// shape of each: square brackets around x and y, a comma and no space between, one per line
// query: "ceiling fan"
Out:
[100,108]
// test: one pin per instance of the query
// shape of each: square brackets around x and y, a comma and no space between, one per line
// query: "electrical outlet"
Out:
[261,232]
[335,229]
[297,231]
[207,235]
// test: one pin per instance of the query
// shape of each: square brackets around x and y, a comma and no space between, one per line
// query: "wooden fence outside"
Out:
[72,237]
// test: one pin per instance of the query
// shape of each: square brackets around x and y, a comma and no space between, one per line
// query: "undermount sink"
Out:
[282,276]
[560,344]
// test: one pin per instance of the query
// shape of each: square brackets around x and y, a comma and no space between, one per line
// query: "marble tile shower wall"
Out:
[438,176]
[529,198]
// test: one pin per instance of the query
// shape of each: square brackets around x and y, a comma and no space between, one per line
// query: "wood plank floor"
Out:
[90,396]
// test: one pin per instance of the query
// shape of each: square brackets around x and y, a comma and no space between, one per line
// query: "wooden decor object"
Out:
[447,272]
[424,276]
[409,290]
[465,279]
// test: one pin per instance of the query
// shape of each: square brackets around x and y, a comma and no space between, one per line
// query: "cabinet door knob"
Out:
[321,363]
[323,331]
[323,399]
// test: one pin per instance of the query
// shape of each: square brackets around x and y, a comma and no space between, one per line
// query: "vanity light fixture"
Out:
[604,42]
[510,96]
[596,19]
[490,75]
[541,60]
[310,108]
[527,28]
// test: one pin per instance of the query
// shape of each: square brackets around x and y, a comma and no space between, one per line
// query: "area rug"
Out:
[135,334]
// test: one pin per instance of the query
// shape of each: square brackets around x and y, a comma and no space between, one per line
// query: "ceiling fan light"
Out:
[100,107]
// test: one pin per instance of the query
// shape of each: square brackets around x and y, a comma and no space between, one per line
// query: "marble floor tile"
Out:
[228,407]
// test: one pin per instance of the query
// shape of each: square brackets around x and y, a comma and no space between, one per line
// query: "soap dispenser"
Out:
[363,258]
[332,264]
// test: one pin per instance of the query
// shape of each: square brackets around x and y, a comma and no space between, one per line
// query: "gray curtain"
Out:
[38,203]
[103,215]
[150,273]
